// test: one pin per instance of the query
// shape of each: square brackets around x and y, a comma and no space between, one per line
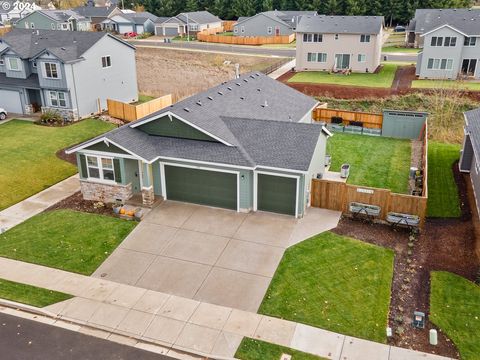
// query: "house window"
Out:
[317,37]
[32,25]
[436,41]
[450,41]
[364,38]
[311,57]
[269,30]
[51,71]
[64,26]
[100,168]
[235,30]
[242,29]
[106,61]
[440,64]
[362,57]
[312,37]
[58,26]
[336,36]
[322,57]
[470,41]
[57,99]
[13,64]
[2,62]
[34,64]
[52,26]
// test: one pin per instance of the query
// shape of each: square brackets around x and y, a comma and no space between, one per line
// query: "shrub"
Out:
[144,35]
[51,117]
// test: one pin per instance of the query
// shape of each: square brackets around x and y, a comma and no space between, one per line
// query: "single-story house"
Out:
[248,144]
[191,22]
[140,22]
[97,14]
[54,20]
[470,154]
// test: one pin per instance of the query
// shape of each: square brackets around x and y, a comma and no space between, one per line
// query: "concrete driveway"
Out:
[209,254]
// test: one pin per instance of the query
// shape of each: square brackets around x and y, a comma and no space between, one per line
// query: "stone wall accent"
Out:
[69,114]
[29,109]
[148,196]
[108,193]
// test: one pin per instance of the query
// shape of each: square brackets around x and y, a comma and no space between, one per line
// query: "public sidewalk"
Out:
[37,203]
[283,69]
[180,324]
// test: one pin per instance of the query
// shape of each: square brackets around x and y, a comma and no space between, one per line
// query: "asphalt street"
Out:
[22,339]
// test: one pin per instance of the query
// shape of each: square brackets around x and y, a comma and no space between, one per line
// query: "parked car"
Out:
[399,28]
[3,114]
[130,34]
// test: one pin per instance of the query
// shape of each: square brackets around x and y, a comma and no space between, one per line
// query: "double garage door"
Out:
[219,189]
[10,101]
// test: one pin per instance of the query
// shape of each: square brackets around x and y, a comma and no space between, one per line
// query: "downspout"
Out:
[75,87]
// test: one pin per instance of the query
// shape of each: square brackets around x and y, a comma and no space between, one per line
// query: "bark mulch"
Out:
[77,203]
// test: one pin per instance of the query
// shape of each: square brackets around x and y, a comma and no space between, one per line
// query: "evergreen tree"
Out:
[267,5]
[243,8]
[191,5]
[330,7]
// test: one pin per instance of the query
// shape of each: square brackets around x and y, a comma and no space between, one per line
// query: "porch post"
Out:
[148,195]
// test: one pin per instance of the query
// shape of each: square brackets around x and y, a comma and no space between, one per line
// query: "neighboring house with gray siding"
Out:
[187,22]
[470,154]
[54,20]
[335,43]
[96,14]
[248,144]
[66,71]
[141,22]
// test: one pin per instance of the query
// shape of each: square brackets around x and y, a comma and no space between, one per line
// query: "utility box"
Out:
[418,319]
[345,171]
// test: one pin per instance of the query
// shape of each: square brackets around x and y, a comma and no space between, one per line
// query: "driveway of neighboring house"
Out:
[209,254]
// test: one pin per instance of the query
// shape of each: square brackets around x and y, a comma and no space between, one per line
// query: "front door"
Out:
[342,61]
[277,31]
[469,66]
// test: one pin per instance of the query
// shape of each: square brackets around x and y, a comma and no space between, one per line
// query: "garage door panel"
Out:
[201,186]
[276,194]
[171,31]
[10,101]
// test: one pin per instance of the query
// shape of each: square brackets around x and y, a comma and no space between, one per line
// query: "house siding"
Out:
[21,73]
[475,178]
[60,83]
[173,128]
[466,155]
[258,26]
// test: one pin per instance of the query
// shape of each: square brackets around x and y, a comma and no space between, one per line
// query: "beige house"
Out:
[336,43]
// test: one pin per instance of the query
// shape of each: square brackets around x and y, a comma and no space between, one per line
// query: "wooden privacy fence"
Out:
[369,120]
[5,30]
[228,25]
[246,40]
[129,112]
[212,31]
[337,196]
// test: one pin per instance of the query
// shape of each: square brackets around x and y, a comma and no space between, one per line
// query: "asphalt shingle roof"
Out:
[473,128]
[61,15]
[464,20]
[340,24]
[94,11]
[200,17]
[30,82]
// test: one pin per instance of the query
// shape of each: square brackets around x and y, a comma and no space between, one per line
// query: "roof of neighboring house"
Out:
[200,17]
[472,127]
[61,15]
[161,19]
[341,24]
[256,122]
[7,10]
[465,20]
[30,82]
[94,11]
[140,18]
[66,45]
[172,20]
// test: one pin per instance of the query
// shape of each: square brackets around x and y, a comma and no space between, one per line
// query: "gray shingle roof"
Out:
[66,45]
[161,19]
[94,11]
[340,24]
[200,17]
[62,15]
[473,128]
[140,17]
[464,20]
[30,82]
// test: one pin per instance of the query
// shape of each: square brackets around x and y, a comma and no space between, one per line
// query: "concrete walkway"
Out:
[37,203]
[177,323]
[283,69]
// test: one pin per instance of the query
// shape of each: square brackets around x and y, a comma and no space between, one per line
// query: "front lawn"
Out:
[455,309]
[446,84]
[251,349]
[29,163]
[30,295]
[65,239]
[383,79]
[374,161]
[335,283]
[443,198]
[399,49]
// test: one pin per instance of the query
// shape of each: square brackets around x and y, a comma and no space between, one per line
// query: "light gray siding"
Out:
[259,25]
[60,83]
[466,155]
[475,178]
[317,165]
[21,73]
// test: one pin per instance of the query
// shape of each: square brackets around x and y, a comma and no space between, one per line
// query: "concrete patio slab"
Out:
[125,266]
[251,257]
[214,221]
[171,213]
[195,246]
[234,289]
[164,329]
[178,308]
[149,238]
[358,349]
[108,315]
[317,341]
[226,344]
[276,331]
[242,323]
[151,301]
[125,295]
[174,276]
[211,316]
[266,228]
[314,222]
[197,338]
[135,322]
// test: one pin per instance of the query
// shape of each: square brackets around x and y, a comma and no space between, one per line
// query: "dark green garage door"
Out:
[277,194]
[201,187]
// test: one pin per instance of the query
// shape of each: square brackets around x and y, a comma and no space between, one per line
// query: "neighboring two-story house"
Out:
[187,22]
[54,20]
[335,43]
[450,39]
[72,72]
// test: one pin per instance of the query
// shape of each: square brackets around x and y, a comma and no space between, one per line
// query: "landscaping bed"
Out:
[76,202]
[252,349]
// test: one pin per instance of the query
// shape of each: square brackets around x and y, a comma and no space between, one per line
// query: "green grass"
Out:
[291,45]
[455,309]
[142,98]
[383,79]
[374,161]
[399,49]
[226,33]
[64,239]
[335,283]
[251,349]
[30,295]
[29,163]
[446,84]
[443,198]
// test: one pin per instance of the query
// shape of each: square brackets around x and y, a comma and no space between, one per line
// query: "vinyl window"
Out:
[2,62]
[106,61]
[450,41]
[362,57]
[269,30]
[436,41]
[51,71]
[364,38]
[439,64]
[13,64]
[57,99]
[311,57]
[470,41]
[322,57]
[312,38]
[100,168]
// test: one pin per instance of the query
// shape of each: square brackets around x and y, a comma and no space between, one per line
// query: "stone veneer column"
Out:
[148,196]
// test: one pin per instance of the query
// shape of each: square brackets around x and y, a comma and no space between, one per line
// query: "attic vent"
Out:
[209,98]
[199,103]
[186,109]
[259,89]
[242,98]
[253,77]
[229,88]
[257,74]
[265,104]
[220,93]
[238,84]
[246,80]
[62,48]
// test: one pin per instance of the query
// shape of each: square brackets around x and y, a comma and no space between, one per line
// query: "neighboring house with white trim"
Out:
[450,39]
[248,144]
[187,22]
[138,22]
[54,20]
[333,43]
[71,72]
[97,14]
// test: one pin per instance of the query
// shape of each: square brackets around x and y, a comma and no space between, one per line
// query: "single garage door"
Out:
[201,186]
[276,194]
[10,101]
[171,31]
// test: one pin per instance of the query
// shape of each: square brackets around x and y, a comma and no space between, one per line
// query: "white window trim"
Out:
[105,57]
[269,30]
[2,61]
[365,37]
[44,70]
[242,29]
[319,56]
[470,37]
[439,64]
[364,58]
[50,92]
[100,169]
[32,25]
[9,65]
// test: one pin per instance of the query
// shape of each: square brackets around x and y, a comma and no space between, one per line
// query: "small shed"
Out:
[403,124]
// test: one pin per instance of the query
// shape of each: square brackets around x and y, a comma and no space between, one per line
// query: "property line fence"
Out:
[129,112]
[245,40]
[5,30]
[369,120]
[228,25]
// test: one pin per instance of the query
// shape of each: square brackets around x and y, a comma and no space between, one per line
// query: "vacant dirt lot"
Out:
[183,73]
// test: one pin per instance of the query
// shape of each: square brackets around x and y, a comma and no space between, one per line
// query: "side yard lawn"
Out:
[374,161]
[399,49]
[30,295]
[251,349]
[335,283]
[446,84]
[443,198]
[383,79]
[455,309]
[29,163]
[65,239]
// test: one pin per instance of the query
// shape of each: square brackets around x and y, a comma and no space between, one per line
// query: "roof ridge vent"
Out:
[253,77]
[259,89]
[186,109]
[242,97]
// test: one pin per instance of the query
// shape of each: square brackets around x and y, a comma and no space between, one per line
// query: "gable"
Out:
[172,127]
[110,148]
